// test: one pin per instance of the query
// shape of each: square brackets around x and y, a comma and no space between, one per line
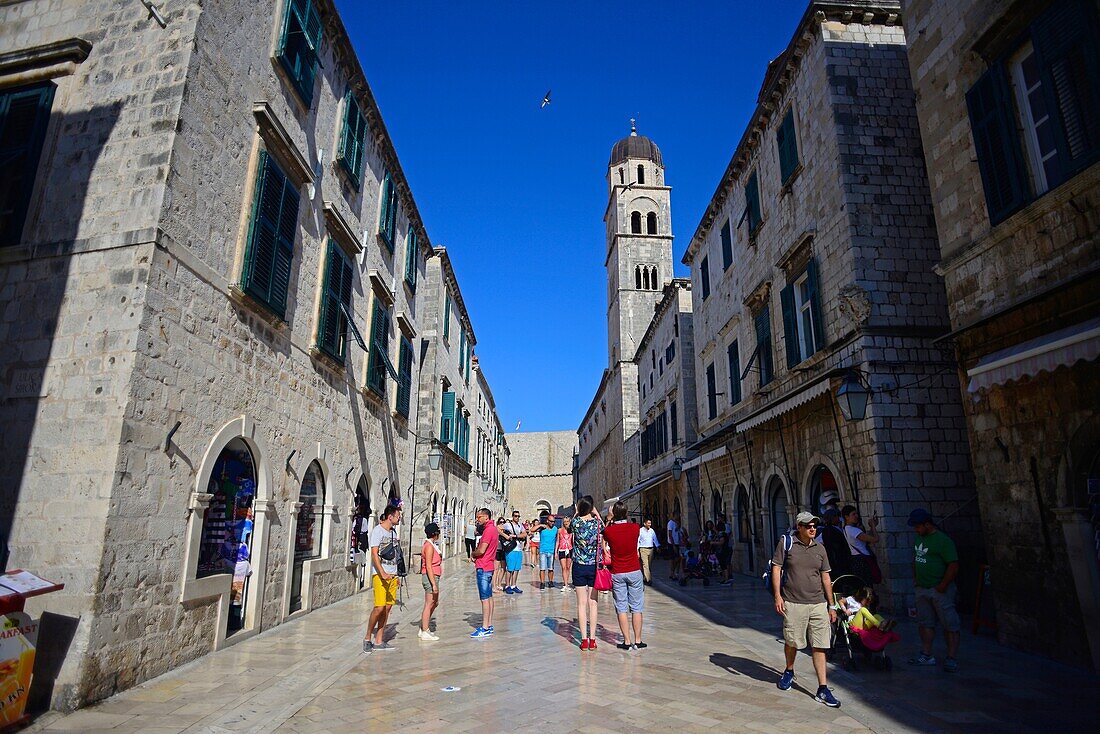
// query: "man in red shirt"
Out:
[485,555]
[627,586]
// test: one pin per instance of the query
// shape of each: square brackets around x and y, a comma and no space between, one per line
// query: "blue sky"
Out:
[517,194]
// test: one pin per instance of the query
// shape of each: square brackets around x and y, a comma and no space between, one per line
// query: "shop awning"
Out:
[1062,348]
[801,397]
[704,458]
[639,487]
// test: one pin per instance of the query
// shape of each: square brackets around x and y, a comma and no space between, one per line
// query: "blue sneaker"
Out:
[825,696]
[480,632]
[490,629]
[507,589]
[786,680]
[517,590]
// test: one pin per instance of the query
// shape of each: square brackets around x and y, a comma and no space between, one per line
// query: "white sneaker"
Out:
[426,635]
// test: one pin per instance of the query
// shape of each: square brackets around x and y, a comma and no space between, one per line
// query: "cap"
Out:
[805,517]
[431,530]
[919,516]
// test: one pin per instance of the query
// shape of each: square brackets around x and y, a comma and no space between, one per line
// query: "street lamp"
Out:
[485,484]
[853,396]
[677,469]
[435,456]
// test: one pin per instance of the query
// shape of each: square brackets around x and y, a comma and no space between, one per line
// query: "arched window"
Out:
[227,521]
[638,277]
[744,518]
[645,278]
[653,277]
[780,522]
[635,222]
[651,223]
[307,529]
[716,504]
[641,173]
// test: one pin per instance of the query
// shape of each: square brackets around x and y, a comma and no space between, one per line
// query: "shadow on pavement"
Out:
[744,666]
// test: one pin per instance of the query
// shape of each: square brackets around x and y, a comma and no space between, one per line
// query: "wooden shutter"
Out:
[271,244]
[727,245]
[752,202]
[446,315]
[733,358]
[763,326]
[300,46]
[24,116]
[336,290]
[1067,48]
[989,103]
[788,146]
[447,418]
[352,139]
[704,276]
[813,285]
[388,218]
[379,346]
[404,381]
[675,426]
[412,248]
[790,326]
[712,389]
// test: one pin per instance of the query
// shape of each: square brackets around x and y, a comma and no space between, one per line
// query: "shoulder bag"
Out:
[603,575]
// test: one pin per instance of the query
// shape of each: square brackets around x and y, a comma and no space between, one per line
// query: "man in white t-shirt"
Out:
[859,542]
[385,555]
[675,541]
[647,546]
[513,559]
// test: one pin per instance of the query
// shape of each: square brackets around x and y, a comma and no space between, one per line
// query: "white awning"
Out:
[800,398]
[704,458]
[1062,348]
[639,487]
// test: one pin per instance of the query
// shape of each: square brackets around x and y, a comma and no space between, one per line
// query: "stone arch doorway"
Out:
[823,491]
[361,521]
[309,523]
[777,510]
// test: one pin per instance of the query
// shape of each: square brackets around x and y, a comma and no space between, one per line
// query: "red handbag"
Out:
[603,575]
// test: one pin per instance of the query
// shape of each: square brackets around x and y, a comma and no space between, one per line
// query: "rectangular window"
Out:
[266,273]
[675,426]
[300,45]
[712,393]
[378,363]
[670,352]
[803,333]
[1044,100]
[733,360]
[447,417]
[462,352]
[785,140]
[727,245]
[404,377]
[752,203]
[446,316]
[24,115]
[350,155]
[704,276]
[763,325]
[412,256]
[332,335]
[387,218]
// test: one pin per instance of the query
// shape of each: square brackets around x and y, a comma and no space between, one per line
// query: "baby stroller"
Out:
[695,569]
[868,646]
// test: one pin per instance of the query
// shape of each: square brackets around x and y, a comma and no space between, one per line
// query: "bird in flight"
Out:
[545,100]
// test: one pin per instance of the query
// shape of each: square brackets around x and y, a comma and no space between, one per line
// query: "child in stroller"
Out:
[693,569]
[858,630]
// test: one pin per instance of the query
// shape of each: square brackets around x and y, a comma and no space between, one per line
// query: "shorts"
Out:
[385,592]
[484,584]
[500,554]
[584,574]
[813,619]
[932,606]
[428,584]
[546,561]
[562,555]
[628,592]
[513,561]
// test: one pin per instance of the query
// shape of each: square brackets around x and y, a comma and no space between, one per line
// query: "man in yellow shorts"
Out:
[385,557]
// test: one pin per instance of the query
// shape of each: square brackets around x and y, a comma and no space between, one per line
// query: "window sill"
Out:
[258,307]
[789,183]
[344,171]
[372,394]
[387,245]
[326,359]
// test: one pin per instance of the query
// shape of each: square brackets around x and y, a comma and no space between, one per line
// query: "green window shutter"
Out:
[763,326]
[704,276]
[336,290]
[673,423]
[379,349]
[727,246]
[712,393]
[352,140]
[24,115]
[447,418]
[752,201]
[387,220]
[813,283]
[733,358]
[1065,38]
[790,326]
[274,226]
[300,46]
[1000,163]
[462,351]
[446,316]
[412,249]
[404,380]
[469,359]
[788,146]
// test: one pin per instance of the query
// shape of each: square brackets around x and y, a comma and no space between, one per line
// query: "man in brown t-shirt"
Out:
[803,592]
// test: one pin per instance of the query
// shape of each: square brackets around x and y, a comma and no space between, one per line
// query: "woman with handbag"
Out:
[627,587]
[587,549]
[863,561]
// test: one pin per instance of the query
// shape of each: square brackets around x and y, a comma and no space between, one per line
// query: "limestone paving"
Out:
[715,667]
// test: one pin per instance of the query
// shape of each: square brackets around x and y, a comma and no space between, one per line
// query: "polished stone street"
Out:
[715,667]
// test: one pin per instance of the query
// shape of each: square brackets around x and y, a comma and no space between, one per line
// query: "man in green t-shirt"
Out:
[935,566]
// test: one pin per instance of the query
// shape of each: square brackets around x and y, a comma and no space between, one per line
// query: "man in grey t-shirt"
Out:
[803,592]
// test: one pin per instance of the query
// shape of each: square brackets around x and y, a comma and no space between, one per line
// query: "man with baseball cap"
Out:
[935,566]
[803,591]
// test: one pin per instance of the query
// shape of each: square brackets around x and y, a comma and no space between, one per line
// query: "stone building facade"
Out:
[1008,96]
[541,472]
[638,258]
[813,264]
[201,212]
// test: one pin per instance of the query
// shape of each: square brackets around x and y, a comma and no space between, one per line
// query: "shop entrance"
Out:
[307,533]
[360,528]
[823,491]
[227,526]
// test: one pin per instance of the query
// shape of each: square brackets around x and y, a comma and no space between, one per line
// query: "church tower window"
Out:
[651,223]
[641,173]
[635,222]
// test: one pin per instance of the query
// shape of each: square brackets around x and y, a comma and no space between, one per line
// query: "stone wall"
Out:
[541,469]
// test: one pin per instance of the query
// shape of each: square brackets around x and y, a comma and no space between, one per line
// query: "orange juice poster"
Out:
[17,639]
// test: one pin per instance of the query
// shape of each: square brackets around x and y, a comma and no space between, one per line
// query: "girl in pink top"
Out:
[565,555]
[431,568]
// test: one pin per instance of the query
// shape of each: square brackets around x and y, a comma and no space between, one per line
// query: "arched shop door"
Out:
[307,532]
[823,491]
[778,506]
[359,528]
[227,525]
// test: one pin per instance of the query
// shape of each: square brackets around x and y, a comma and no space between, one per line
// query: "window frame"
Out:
[335,256]
[312,32]
[704,277]
[268,166]
[353,137]
[786,141]
[32,148]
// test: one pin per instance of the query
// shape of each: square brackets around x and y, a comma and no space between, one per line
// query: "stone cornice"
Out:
[341,231]
[280,143]
[47,61]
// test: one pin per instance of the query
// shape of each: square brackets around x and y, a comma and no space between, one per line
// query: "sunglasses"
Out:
[807,524]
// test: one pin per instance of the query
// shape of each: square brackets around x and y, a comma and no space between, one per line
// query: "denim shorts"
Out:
[628,592]
[484,584]
[546,561]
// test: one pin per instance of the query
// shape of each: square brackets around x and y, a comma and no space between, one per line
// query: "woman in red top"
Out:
[565,555]
[627,585]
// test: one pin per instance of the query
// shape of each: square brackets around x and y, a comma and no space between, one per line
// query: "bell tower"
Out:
[639,242]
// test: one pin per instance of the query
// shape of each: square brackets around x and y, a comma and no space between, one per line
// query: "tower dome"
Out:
[635,146]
